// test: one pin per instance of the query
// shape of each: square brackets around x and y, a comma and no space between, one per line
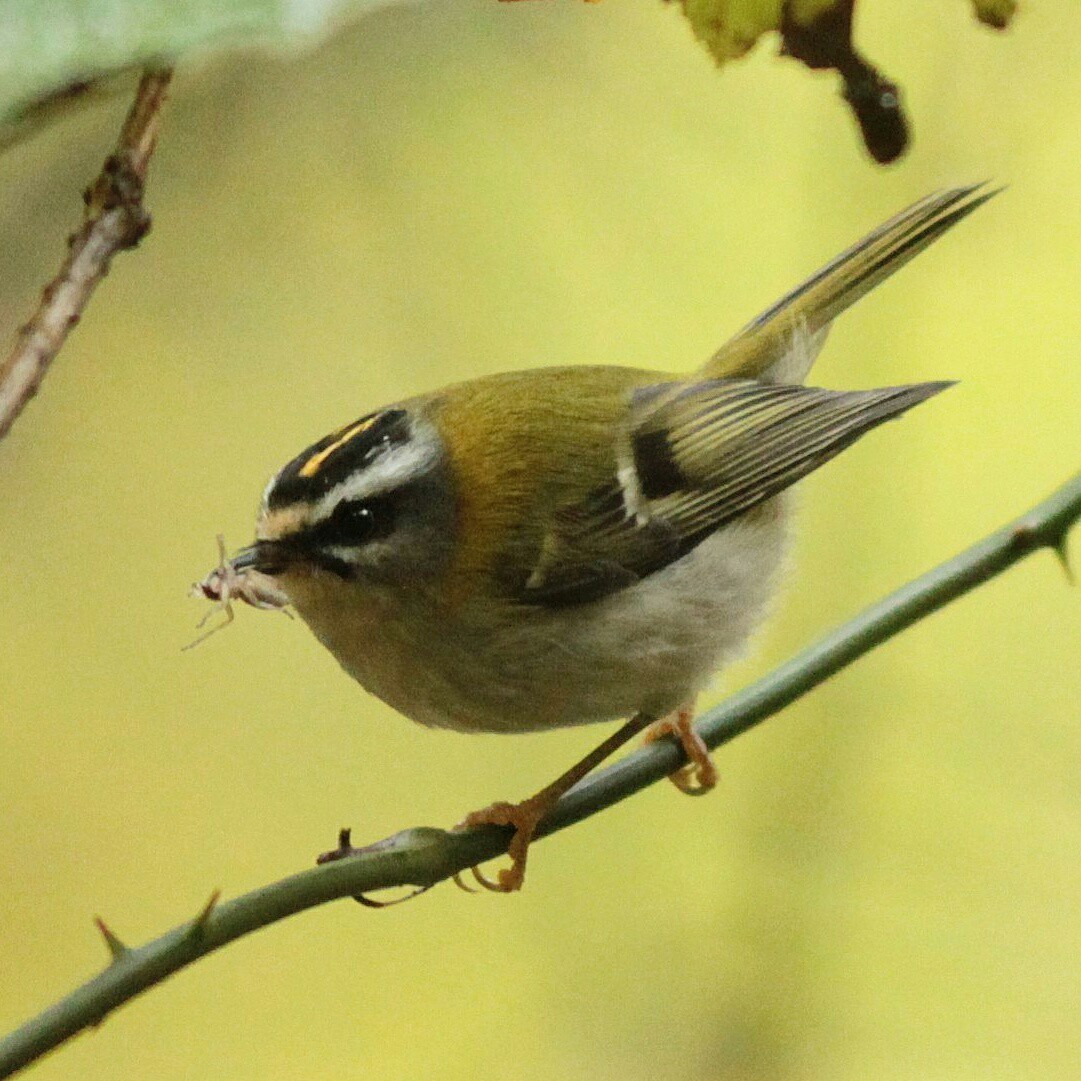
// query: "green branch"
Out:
[421,857]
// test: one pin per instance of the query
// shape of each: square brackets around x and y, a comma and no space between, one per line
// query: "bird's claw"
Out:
[524,817]
[699,775]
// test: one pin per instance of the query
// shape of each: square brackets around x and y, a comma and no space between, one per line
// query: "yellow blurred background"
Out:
[886,883]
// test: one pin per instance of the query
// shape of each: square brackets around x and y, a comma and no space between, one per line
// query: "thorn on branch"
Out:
[345,849]
[1061,548]
[198,925]
[117,949]
[1027,536]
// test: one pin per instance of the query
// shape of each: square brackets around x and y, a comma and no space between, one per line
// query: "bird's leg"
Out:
[699,775]
[526,816]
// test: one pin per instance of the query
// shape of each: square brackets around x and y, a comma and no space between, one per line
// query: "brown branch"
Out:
[114,220]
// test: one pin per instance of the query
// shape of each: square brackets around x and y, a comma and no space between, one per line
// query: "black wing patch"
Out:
[699,456]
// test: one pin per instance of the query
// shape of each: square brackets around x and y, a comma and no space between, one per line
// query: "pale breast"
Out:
[650,647]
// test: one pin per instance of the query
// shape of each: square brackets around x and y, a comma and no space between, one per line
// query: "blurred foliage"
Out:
[820,33]
[56,53]
[729,28]
[59,56]
[995,13]
[884,885]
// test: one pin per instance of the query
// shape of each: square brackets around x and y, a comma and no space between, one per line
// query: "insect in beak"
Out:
[243,578]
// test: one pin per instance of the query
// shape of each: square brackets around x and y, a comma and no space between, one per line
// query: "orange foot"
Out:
[700,774]
[524,817]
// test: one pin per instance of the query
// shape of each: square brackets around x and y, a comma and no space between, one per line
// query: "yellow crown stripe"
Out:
[311,466]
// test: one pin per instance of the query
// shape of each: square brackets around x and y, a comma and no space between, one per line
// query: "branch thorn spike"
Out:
[200,921]
[117,949]
[1061,548]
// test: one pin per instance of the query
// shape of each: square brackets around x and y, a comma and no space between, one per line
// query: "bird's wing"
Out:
[690,459]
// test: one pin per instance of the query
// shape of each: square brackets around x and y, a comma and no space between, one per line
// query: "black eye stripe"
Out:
[354,522]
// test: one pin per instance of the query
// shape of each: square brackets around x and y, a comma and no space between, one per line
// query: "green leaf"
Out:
[56,53]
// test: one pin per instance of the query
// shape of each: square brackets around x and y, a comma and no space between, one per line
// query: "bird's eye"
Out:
[354,522]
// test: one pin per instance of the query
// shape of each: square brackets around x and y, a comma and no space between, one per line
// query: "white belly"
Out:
[650,647]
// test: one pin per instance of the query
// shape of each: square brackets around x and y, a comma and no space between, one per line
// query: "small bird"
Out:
[572,545]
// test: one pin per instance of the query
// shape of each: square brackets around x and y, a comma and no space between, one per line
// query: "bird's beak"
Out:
[266,556]
[275,557]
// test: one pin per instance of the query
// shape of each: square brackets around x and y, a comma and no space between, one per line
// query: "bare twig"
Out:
[422,857]
[114,220]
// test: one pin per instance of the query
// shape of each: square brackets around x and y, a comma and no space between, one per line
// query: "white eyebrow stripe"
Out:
[392,469]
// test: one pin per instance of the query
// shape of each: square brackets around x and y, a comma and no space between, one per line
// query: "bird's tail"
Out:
[780,345]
